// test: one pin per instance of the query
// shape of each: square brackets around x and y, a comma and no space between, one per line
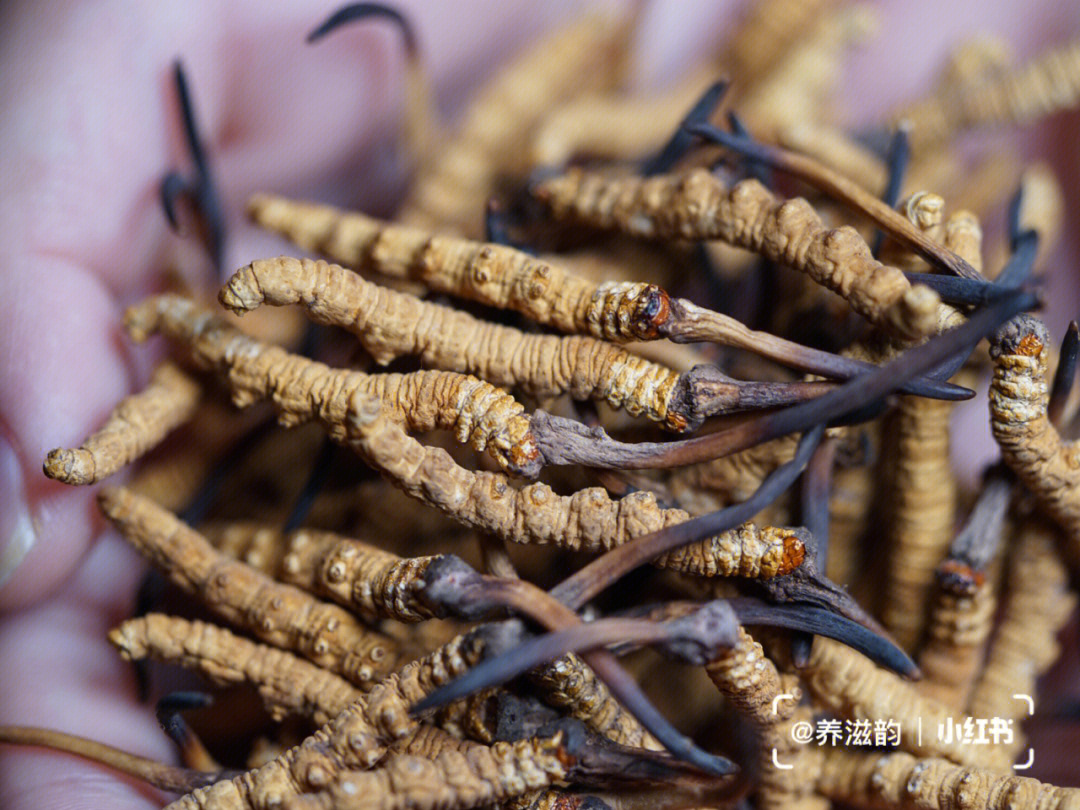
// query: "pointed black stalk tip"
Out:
[1065,375]
[898,156]
[360,11]
[172,187]
[743,145]
[806,618]
[1012,217]
[681,140]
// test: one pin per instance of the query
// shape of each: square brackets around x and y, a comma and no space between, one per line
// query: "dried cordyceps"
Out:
[1048,83]
[375,663]
[1030,444]
[698,205]
[617,311]
[303,389]
[902,780]
[279,614]
[390,324]
[851,685]
[287,684]
[586,520]
[136,425]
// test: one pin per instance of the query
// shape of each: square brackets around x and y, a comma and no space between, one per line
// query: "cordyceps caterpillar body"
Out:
[1048,83]
[356,738]
[375,583]
[923,492]
[1030,444]
[901,780]
[287,684]
[278,614]
[303,389]
[587,520]
[390,324]
[543,291]
[452,780]
[698,205]
[138,424]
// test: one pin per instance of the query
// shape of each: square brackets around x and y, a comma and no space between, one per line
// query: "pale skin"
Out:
[90,127]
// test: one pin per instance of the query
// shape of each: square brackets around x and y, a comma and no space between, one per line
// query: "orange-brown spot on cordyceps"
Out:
[794,554]
[1029,346]
[653,310]
[567,759]
[525,458]
[677,422]
[959,578]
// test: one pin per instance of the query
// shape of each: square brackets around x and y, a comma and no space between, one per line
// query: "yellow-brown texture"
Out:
[617,126]
[851,685]
[876,780]
[926,211]
[922,509]
[1042,207]
[356,738]
[1032,447]
[849,510]
[956,635]
[1036,605]
[452,780]
[797,88]
[471,718]
[365,579]
[173,476]
[750,682]
[698,205]
[286,684]
[390,324]
[588,520]
[276,613]
[491,274]
[137,425]
[450,192]
[302,390]
[922,491]
[429,742]
[568,683]
[375,583]
[792,787]
[1046,84]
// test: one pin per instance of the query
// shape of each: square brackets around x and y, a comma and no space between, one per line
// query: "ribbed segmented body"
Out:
[492,274]
[451,780]
[301,389]
[1048,83]
[276,613]
[451,190]
[356,738]
[697,205]
[587,520]
[956,634]
[390,324]
[902,780]
[851,685]
[366,579]
[137,425]
[1030,444]
[570,684]
[747,678]
[287,684]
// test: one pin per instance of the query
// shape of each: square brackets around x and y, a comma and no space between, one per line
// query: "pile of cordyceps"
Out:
[547,493]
